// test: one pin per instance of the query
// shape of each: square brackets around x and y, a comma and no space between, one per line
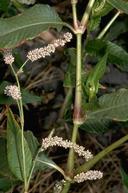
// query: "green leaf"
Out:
[100,9]
[95,126]
[4,5]
[116,54]
[43,162]
[28,25]
[30,97]
[124,180]
[7,180]
[32,142]
[92,84]
[14,148]
[120,5]
[96,47]
[116,29]
[94,23]
[112,106]
[6,184]
[4,167]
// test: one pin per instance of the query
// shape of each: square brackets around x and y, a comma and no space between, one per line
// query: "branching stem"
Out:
[85,167]
[74,12]
[103,32]
[87,12]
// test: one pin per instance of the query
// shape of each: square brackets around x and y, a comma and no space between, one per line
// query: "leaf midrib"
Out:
[28,26]
[107,109]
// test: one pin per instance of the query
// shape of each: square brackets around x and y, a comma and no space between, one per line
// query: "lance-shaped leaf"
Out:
[112,106]
[28,25]
[14,149]
[116,54]
[120,5]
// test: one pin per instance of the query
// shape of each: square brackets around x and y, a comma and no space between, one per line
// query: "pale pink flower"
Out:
[13,91]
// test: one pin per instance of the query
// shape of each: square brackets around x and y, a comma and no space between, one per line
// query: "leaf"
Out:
[14,149]
[6,184]
[95,126]
[28,25]
[92,83]
[4,167]
[124,180]
[32,142]
[43,162]
[4,5]
[100,9]
[7,180]
[116,54]
[119,4]
[96,47]
[117,29]
[112,106]
[30,97]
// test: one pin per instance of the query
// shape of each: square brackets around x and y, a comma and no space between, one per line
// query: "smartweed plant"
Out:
[23,155]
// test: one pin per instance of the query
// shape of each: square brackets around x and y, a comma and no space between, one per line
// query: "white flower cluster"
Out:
[13,91]
[80,150]
[58,141]
[8,58]
[49,49]
[89,175]
[58,186]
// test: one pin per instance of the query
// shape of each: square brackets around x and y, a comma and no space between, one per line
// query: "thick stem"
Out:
[70,163]
[87,12]
[85,167]
[78,115]
[103,32]
[77,111]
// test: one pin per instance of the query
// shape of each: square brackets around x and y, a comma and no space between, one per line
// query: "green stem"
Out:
[32,169]
[78,103]
[70,163]
[21,68]
[66,187]
[77,117]
[77,110]
[21,112]
[85,167]
[103,32]
[87,12]
[74,12]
